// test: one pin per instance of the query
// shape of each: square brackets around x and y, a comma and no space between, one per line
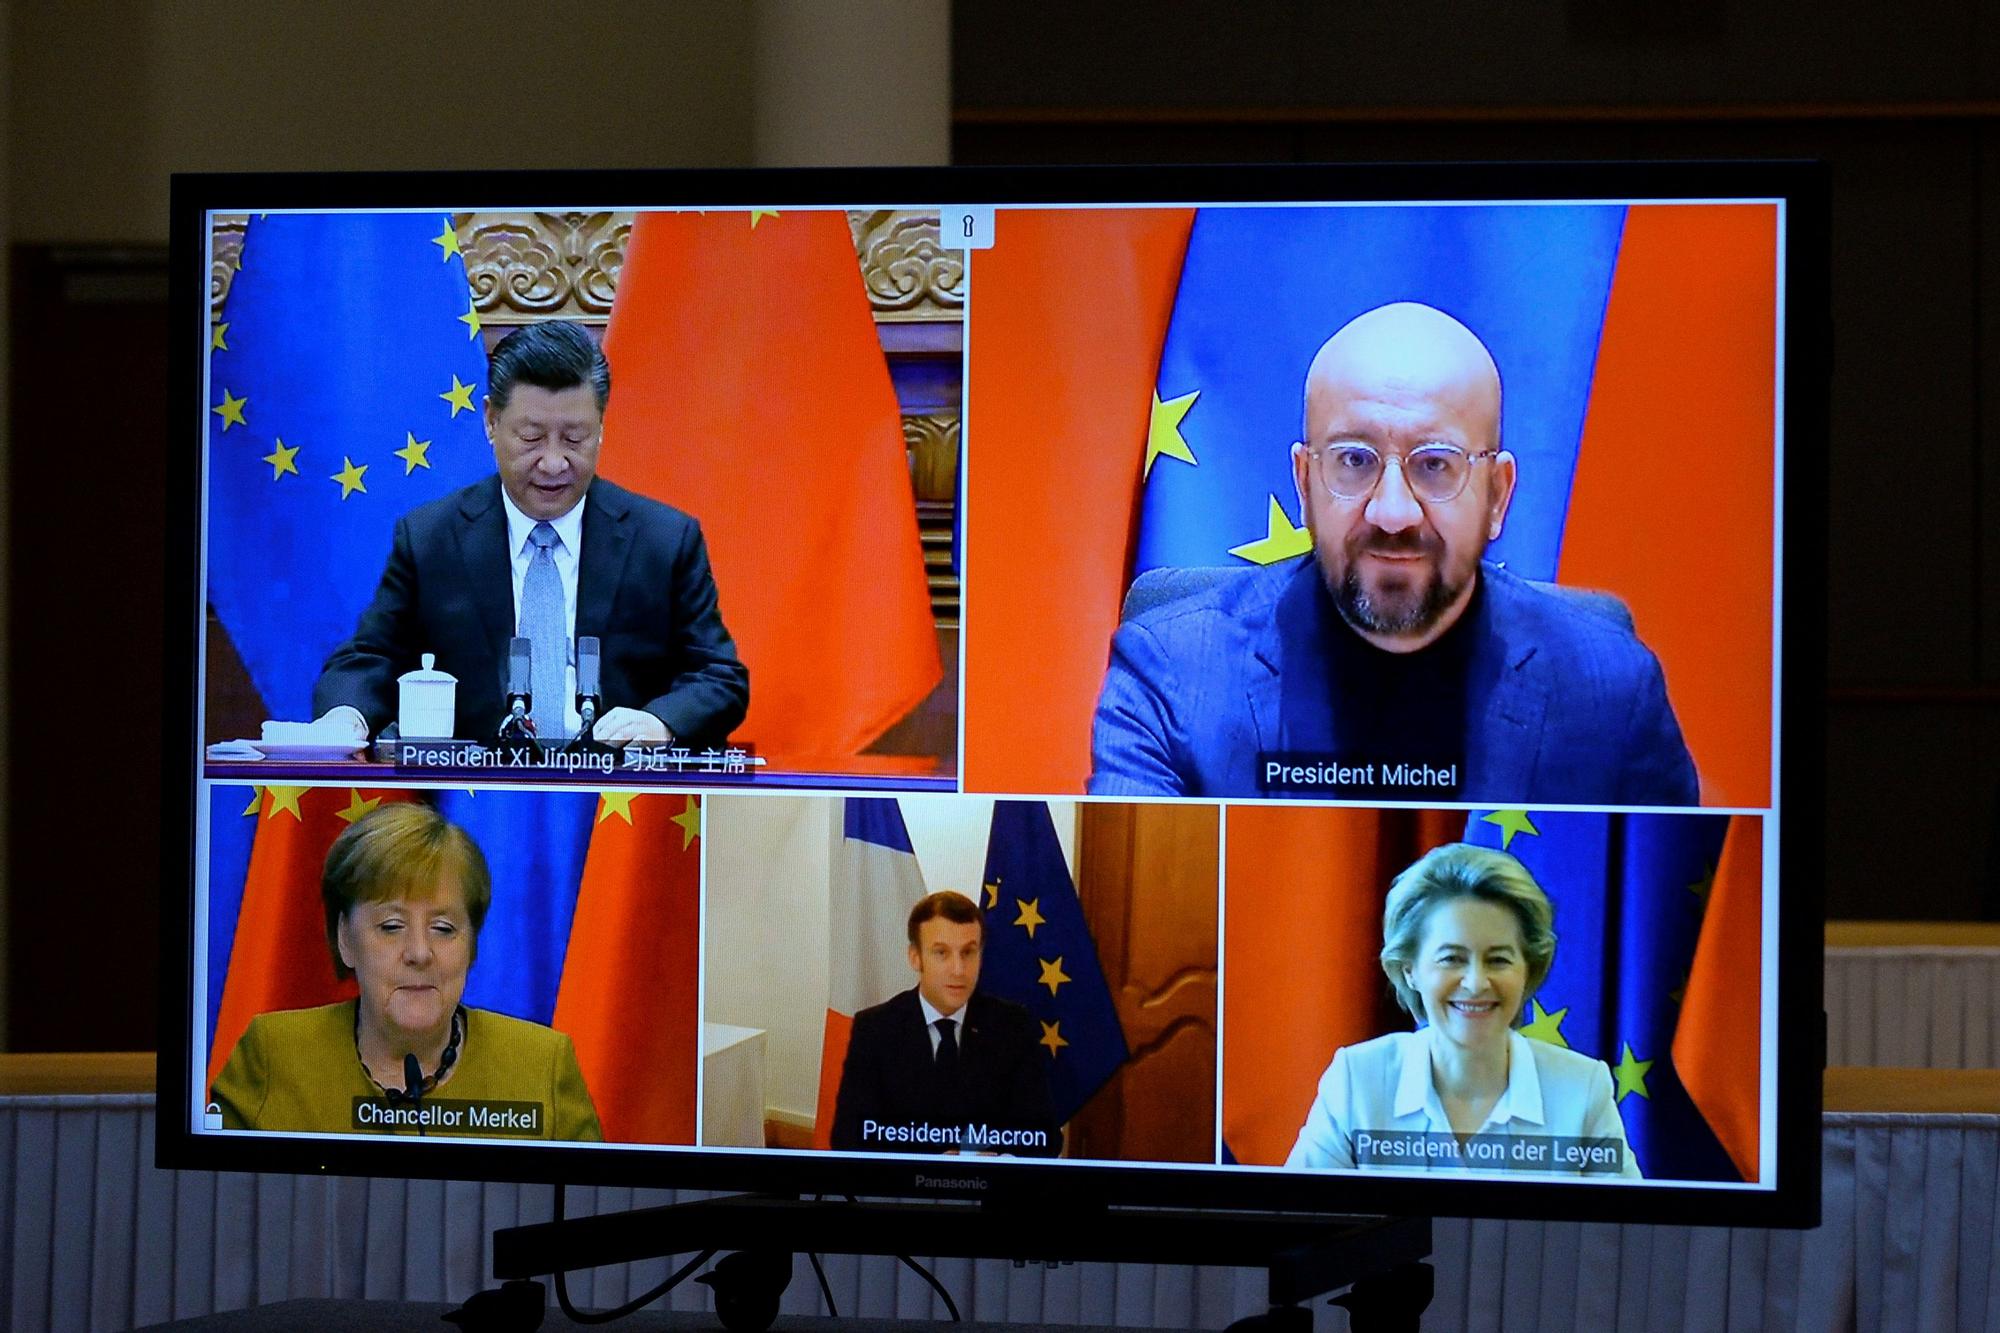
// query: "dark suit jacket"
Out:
[643,588]
[1564,704]
[891,1076]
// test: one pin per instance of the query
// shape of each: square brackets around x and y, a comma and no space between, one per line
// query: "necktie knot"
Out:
[542,536]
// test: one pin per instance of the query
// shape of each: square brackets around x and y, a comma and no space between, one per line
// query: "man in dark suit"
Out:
[942,1067]
[1395,664]
[549,550]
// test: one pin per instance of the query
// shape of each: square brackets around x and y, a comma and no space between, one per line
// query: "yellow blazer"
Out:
[298,1070]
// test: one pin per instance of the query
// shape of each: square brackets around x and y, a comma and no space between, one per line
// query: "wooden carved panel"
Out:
[535,265]
[226,252]
[908,273]
[526,266]
[1147,879]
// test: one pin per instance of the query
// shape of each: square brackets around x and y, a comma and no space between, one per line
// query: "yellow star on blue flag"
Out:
[341,333]
[1510,822]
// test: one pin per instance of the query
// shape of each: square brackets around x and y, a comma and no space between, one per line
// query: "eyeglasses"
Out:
[1435,473]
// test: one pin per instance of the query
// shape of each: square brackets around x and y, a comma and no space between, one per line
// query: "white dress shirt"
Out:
[567,551]
[932,1014]
[1386,1084]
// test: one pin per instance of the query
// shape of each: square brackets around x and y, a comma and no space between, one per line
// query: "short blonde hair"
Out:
[400,849]
[1460,870]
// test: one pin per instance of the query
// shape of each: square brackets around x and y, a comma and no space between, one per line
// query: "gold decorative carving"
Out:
[528,266]
[932,442]
[225,253]
[525,266]
[908,273]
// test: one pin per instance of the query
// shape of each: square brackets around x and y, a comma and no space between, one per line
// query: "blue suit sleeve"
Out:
[1135,733]
[710,694]
[1658,769]
[361,672]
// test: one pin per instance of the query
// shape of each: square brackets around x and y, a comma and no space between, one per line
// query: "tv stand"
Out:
[1306,1255]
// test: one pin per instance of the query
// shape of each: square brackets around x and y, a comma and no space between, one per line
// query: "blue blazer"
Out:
[1565,706]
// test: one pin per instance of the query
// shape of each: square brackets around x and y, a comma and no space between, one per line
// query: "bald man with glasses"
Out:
[1396,664]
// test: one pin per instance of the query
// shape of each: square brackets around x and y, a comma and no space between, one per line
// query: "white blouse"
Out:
[1386,1084]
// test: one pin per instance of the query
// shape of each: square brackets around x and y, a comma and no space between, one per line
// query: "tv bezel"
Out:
[1799,786]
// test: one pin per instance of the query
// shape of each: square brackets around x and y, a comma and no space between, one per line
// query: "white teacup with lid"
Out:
[426,702]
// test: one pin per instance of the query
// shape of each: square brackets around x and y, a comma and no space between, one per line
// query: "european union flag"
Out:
[1629,891]
[345,378]
[535,844]
[1039,954]
[1262,288]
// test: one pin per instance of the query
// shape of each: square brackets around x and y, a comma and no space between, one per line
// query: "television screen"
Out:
[1254,687]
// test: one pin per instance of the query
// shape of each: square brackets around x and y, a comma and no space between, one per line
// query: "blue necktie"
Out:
[545,623]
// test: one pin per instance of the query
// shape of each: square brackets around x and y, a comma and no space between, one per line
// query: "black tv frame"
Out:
[1799,786]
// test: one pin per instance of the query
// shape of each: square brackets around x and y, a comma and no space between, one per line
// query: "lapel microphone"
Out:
[413,1085]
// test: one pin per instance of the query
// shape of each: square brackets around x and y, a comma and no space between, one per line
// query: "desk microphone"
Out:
[520,682]
[588,700]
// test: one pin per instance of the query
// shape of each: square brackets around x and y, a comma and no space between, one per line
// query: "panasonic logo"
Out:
[950,1183]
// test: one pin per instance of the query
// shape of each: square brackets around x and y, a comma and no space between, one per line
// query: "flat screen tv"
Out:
[1283,687]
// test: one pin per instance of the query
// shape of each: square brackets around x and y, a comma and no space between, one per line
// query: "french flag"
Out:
[875,881]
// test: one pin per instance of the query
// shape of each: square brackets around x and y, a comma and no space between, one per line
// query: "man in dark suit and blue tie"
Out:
[548,550]
[1395,664]
[942,1067]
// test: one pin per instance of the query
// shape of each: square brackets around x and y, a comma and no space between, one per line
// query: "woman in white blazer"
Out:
[1467,936]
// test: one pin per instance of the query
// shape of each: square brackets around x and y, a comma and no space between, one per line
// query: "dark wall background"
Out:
[1903,102]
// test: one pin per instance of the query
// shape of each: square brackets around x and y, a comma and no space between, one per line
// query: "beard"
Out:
[1407,606]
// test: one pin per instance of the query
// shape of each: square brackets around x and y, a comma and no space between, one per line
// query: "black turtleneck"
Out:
[1401,708]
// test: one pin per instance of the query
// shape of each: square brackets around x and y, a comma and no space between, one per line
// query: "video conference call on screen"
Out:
[1227,686]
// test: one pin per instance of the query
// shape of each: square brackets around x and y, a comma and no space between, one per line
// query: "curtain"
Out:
[1923,1007]
[94,1238]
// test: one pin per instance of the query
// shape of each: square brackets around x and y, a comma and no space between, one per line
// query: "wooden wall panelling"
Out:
[1147,880]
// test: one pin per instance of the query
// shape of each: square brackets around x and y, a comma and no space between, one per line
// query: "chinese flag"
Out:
[1073,310]
[280,958]
[1718,1045]
[1693,303]
[749,389]
[1306,887]
[628,984]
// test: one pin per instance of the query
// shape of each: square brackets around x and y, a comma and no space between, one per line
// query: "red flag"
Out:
[1073,309]
[750,390]
[1719,1043]
[280,958]
[1306,887]
[627,997]
[1707,610]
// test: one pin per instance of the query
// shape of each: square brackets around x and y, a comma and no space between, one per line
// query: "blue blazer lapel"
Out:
[1508,685]
[1290,688]
[607,540]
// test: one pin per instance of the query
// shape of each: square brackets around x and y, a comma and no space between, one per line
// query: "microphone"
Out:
[588,700]
[413,1084]
[520,682]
